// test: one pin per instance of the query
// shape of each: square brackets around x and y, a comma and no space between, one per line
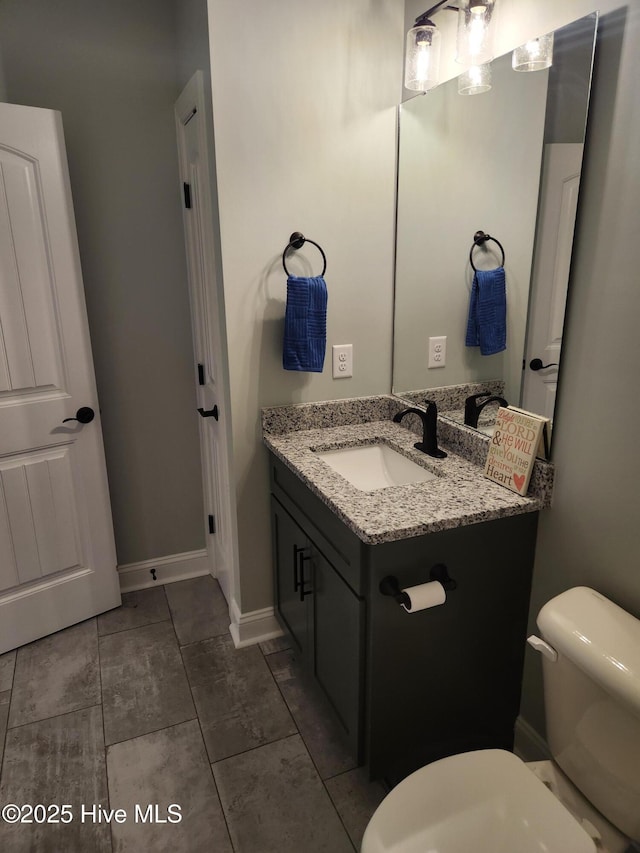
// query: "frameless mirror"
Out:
[506,162]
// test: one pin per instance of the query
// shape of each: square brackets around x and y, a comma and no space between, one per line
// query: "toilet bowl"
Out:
[477,802]
[587,800]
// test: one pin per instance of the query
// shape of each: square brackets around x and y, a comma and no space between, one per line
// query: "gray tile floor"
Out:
[151,704]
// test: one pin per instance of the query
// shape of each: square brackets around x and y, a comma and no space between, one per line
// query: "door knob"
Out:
[209,413]
[536,364]
[84,415]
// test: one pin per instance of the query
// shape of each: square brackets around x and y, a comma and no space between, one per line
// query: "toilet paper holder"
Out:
[391,586]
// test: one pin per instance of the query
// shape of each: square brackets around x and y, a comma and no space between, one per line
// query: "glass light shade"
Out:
[534,55]
[475,32]
[475,80]
[422,61]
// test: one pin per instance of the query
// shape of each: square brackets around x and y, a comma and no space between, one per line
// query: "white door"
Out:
[554,243]
[57,554]
[206,321]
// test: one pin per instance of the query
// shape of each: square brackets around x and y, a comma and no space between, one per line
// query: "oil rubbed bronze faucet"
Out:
[429,443]
[472,408]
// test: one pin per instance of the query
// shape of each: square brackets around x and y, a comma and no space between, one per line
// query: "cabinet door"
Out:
[292,576]
[338,632]
[448,679]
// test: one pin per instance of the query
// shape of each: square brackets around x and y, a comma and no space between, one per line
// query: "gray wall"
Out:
[3,89]
[569,75]
[110,68]
[192,34]
[590,535]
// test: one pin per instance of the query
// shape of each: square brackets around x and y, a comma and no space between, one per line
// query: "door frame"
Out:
[191,99]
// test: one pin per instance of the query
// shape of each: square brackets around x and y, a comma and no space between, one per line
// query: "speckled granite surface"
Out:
[486,420]
[459,496]
[277,420]
[450,398]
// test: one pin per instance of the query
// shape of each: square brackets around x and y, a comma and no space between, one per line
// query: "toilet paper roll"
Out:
[424,595]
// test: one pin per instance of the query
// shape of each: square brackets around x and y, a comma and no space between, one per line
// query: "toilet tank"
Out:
[592,701]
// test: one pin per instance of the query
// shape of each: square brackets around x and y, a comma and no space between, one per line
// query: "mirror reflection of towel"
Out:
[305,324]
[487,323]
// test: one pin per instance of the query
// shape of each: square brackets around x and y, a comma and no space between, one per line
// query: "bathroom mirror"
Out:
[506,162]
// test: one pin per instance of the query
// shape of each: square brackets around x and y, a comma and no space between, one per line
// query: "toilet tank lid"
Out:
[599,637]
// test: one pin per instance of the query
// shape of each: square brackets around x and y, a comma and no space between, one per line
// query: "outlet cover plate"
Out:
[437,351]
[342,361]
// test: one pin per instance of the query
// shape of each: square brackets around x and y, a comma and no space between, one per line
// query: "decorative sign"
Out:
[513,447]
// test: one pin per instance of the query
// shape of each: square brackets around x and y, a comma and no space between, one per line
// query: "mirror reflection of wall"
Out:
[474,163]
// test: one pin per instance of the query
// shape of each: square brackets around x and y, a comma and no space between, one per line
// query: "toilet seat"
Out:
[485,801]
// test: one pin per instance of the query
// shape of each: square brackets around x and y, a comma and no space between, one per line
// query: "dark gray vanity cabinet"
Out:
[407,688]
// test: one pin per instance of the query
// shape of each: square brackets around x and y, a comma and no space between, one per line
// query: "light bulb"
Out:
[475,32]
[422,58]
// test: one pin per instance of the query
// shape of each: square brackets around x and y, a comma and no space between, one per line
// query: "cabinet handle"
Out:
[299,571]
[298,553]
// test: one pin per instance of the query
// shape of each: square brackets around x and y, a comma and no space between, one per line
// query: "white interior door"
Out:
[207,324]
[554,243]
[57,553]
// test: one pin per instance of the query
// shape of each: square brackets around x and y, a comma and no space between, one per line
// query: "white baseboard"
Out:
[528,744]
[253,627]
[174,567]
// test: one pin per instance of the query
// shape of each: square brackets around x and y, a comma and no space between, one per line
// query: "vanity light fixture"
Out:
[475,32]
[475,80]
[422,60]
[535,55]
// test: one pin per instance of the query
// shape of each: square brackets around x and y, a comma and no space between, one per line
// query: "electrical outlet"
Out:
[342,360]
[437,351]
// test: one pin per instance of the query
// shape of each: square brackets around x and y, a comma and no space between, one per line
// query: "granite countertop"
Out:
[460,494]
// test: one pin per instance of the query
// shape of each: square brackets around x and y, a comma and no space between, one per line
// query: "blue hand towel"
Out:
[305,324]
[487,323]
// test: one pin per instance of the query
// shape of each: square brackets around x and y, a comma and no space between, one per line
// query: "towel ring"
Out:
[478,239]
[297,241]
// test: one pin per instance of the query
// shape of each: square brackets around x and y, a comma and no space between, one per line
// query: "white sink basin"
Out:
[374,466]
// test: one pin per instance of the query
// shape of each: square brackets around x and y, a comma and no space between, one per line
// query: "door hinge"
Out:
[210,413]
[212,524]
[201,374]
[187,195]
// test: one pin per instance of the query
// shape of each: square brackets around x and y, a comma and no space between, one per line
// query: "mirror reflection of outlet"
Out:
[437,351]
[342,361]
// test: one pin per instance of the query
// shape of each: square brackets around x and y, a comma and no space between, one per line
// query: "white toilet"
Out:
[489,801]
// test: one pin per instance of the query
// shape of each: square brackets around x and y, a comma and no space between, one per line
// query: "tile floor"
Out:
[152,704]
